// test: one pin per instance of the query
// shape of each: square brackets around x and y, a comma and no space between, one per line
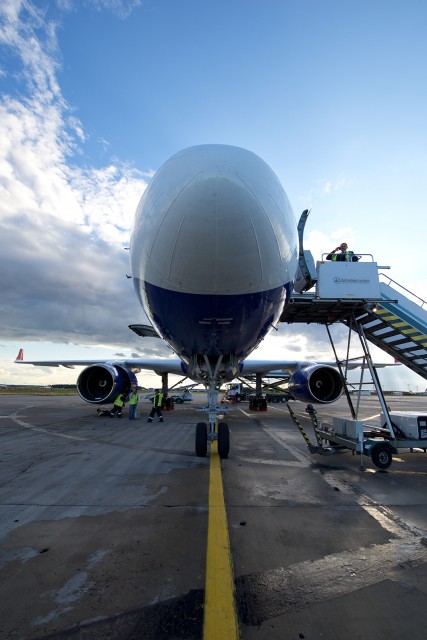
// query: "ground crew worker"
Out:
[157,405]
[344,254]
[133,401]
[118,405]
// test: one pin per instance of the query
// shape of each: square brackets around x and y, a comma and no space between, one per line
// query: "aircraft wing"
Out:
[162,365]
[318,382]
[290,366]
[100,381]
[175,365]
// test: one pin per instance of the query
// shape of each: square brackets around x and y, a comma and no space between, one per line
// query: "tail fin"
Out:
[20,354]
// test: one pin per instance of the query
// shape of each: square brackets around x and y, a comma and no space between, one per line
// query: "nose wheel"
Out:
[223,440]
[201,439]
[213,430]
[222,436]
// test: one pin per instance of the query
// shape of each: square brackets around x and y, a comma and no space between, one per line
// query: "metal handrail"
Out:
[421,302]
[359,255]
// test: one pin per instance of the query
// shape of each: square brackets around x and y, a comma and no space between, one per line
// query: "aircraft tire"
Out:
[381,456]
[223,440]
[201,439]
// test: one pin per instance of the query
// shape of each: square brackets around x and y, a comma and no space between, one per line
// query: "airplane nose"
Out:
[214,250]
[230,198]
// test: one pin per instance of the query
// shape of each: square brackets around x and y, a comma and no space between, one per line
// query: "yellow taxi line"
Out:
[220,620]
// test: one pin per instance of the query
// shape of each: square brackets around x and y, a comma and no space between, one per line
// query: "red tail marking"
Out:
[20,354]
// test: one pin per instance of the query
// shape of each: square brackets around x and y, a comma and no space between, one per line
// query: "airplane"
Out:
[214,256]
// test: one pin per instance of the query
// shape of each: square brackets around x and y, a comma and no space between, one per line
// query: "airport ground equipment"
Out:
[184,396]
[351,293]
[392,318]
[310,410]
[409,433]
[269,391]
[365,439]
[378,311]
[398,325]
[396,431]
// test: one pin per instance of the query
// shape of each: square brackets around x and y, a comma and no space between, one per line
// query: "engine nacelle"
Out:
[318,383]
[100,383]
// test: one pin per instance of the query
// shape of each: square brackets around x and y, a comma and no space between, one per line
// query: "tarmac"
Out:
[105,524]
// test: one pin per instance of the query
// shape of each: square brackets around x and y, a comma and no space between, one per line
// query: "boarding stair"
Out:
[398,325]
[390,316]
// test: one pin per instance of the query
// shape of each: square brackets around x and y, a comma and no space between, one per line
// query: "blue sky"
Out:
[95,95]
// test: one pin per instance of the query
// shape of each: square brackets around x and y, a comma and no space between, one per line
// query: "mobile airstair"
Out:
[358,295]
[398,325]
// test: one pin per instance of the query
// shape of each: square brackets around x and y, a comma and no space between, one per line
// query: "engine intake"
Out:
[100,383]
[318,383]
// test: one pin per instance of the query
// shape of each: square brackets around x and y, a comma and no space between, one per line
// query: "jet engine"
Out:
[100,383]
[317,383]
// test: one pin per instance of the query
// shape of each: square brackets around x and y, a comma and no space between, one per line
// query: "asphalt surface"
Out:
[104,526]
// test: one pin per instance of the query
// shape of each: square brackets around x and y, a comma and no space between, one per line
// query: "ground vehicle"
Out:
[409,431]
[178,398]
[276,396]
[236,392]
[184,396]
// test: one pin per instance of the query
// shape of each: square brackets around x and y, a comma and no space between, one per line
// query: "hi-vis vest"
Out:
[158,400]
[347,256]
[133,398]
[118,402]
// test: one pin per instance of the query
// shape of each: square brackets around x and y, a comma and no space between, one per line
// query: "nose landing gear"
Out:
[218,432]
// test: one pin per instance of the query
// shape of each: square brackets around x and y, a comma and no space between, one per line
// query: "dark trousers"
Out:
[155,410]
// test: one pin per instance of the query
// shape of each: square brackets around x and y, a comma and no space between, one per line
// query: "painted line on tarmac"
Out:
[303,459]
[31,427]
[402,472]
[220,619]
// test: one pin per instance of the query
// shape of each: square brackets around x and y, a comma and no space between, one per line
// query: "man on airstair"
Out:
[344,254]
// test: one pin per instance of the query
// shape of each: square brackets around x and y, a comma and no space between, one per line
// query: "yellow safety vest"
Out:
[118,402]
[158,400]
[347,256]
[133,399]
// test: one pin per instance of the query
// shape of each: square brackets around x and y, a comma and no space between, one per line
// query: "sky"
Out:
[95,95]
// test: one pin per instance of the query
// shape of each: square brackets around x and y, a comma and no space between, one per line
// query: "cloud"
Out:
[325,188]
[63,227]
[120,8]
[329,186]
[20,24]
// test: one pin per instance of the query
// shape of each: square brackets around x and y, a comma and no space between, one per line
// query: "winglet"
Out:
[20,355]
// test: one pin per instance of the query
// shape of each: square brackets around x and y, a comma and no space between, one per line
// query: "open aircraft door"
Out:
[306,275]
